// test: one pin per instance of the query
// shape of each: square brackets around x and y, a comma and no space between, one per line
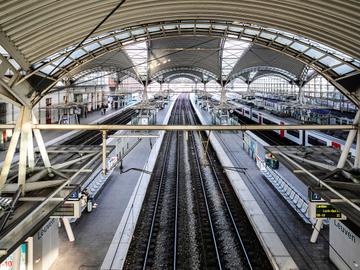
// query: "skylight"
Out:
[138,55]
[233,50]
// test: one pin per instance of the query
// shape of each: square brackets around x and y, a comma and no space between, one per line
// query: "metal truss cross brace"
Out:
[23,132]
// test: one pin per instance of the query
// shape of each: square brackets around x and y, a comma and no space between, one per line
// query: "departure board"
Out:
[327,211]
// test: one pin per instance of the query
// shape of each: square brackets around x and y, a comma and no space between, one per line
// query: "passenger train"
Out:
[301,137]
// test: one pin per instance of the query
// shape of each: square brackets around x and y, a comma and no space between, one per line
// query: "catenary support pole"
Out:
[103,152]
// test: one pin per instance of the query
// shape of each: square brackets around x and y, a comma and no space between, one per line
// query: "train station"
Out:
[179,134]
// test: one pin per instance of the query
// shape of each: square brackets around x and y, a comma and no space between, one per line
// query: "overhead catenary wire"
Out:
[84,39]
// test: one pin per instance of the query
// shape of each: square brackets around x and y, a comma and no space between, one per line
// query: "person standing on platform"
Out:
[103,109]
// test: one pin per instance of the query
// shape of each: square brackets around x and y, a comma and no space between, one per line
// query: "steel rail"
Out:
[177,193]
[212,166]
[162,176]
[198,166]
[186,127]
[229,211]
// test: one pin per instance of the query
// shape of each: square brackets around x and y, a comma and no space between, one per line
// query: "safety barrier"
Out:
[295,199]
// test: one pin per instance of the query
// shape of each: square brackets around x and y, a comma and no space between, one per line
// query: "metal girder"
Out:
[184,69]
[10,188]
[321,182]
[265,37]
[213,30]
[23,132]
[9,76]
[312,162]
[287,75]
[192,127]
[15,53]
[8,97]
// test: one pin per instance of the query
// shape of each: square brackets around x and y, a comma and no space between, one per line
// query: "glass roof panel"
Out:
[123,35]
[313,53]
[317,52]
[329,61]
[267,35]
[299,47]
[232,52]
[235,28]
[137,32]
[107,41]
[137,53]
[251,31]
[187,25]
[58,61]
[283,41]
[49,68]
[154,28]
[78,53]
[356,63]
[343,69]
[219,27]
[203,25]
[92,47]
[170,26]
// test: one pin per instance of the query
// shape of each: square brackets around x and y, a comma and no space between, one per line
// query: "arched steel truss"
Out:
[195,71]
[107,69]
[333,65]
[266,70]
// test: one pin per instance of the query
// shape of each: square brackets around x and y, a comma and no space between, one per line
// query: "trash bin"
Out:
[271,161]
[90,203]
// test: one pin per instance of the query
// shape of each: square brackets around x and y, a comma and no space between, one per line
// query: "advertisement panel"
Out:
[9,263]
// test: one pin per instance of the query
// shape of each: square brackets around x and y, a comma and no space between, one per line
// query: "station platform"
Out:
[96,231]
[291,229]
[54,137]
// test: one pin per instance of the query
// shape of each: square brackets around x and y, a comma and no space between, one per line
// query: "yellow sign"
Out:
[327,211]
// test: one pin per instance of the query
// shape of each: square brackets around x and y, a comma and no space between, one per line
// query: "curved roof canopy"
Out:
[38,35]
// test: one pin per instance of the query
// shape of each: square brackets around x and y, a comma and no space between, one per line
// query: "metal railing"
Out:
[295,199]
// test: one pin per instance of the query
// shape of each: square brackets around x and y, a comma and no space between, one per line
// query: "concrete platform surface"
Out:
[94,232]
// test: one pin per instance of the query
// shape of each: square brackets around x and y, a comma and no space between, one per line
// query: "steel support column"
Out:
[23,132]
[348,143]
[223,95]
[41,144]
[11,150]
[357,155]
[316,231]
[68,229]
[24,140]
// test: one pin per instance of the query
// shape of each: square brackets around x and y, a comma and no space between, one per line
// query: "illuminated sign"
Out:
[327,211]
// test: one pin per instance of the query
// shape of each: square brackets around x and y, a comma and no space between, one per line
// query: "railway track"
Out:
[94,137]
[191,217]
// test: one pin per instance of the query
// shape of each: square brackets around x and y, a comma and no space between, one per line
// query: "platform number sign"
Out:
[315,197]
